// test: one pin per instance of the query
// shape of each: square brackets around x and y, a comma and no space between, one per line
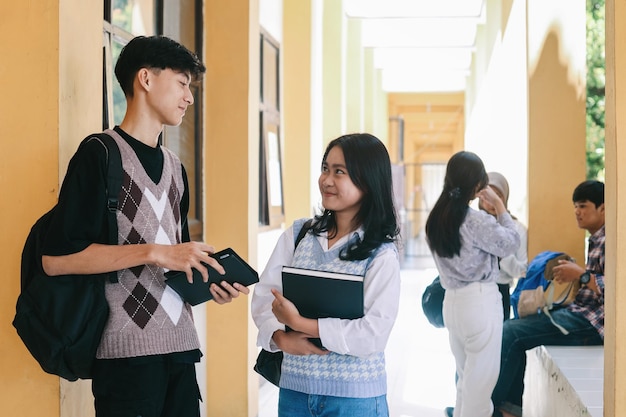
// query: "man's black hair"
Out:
[589,190]
[154,52]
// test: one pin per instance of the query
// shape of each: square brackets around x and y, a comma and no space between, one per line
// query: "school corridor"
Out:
[420,366]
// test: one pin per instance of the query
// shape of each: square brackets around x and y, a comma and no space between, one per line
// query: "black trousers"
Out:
[148,386]
[505,290]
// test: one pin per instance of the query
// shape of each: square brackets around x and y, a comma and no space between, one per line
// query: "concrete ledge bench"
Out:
[564,381]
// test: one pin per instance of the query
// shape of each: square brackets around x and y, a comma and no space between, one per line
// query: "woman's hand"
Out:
[284,310]
[491,199]
[296,343]
[287,313]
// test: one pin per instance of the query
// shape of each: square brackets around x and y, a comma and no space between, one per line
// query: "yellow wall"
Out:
[80,113]
[556,124]
[353,82]
[29,112]
[231,189]
[333,81]
[51,99]
[296,109]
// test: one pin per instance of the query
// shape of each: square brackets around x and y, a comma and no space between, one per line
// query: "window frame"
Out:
[113,33]
[270,170]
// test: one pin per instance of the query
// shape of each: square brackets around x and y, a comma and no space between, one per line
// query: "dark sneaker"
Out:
[449,411]
[512,409]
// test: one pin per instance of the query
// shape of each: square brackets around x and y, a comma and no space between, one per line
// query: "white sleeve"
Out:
[515,265]
[367,335]
[262,297]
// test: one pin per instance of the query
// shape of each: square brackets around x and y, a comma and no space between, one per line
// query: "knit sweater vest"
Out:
[333,374]
[146,316]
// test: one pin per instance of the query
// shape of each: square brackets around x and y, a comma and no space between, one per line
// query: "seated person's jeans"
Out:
[520,335]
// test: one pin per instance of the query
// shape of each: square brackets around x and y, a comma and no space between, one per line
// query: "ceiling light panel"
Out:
[413,8]
[416,32]
[448,58]
[408,80]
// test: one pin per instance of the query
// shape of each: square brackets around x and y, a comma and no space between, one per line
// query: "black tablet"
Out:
[237,270]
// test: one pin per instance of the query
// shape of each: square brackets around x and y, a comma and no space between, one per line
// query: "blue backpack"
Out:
[534,277]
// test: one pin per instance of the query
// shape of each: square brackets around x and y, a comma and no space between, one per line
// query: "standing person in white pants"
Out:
[466,245]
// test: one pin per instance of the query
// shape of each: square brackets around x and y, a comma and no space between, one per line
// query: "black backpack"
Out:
[432,303]
[60,319]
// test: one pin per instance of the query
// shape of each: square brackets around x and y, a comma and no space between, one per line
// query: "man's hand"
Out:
[566,271]
[185,256]
[224,293]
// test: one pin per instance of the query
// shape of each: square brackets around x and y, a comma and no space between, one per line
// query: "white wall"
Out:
[497,127]
[271,18]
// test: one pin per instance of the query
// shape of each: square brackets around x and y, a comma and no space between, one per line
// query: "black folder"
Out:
[237,270]
[320,294]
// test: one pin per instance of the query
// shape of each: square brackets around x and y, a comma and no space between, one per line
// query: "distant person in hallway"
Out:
[583,319]
[145,363]
[466,245]
[512,267]
[354,234]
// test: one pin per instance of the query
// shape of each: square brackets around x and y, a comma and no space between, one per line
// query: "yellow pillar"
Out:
[369,91]
[615,290]
[51,77]
[355,63]
[556,123]
[231,189]
[333,85]
[80,113]
[296,110]
[375,106]
[380,123]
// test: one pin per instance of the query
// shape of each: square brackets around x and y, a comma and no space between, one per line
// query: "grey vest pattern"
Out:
[146,316]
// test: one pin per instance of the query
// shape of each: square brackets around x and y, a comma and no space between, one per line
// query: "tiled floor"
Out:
[420,365]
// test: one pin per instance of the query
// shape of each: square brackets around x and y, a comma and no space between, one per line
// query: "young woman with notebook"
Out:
[344,374]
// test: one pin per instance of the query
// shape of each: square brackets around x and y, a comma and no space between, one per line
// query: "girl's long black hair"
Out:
[369,168]
[465,176]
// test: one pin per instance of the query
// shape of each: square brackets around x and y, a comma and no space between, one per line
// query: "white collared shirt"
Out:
[359,337]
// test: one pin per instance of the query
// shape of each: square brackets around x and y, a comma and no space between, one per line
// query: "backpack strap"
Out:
[303,229]
[114,184]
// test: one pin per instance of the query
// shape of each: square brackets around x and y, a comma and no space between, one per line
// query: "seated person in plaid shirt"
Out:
[583,319]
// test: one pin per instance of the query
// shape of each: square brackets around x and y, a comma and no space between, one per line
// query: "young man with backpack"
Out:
[146,358]
[583,319]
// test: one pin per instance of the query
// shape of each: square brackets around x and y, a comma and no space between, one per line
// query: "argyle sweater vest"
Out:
[147,317]
[333,374]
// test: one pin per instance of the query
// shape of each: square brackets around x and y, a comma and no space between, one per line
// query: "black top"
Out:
[80,218]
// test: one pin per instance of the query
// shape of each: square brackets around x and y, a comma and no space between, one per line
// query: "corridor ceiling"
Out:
[420,45]
[424,50]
